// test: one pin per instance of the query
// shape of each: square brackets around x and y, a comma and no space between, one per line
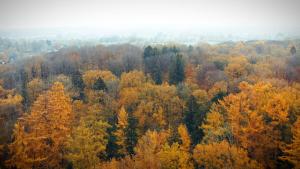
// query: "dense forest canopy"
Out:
[163,106]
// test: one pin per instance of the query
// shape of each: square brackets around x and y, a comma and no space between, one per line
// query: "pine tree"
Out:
[78,83]
[152,64]
[131,134]
[176,74]
[99,85]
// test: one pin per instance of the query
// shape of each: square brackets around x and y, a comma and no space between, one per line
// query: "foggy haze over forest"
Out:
[214,20]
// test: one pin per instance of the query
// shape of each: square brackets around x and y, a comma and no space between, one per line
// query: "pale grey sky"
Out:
[115,15]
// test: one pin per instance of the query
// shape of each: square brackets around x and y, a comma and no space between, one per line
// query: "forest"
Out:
[231,105]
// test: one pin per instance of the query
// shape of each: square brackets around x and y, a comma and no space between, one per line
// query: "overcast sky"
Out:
[216,15]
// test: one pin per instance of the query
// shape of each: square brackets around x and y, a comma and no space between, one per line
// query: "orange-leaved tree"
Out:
[252,120]
[40,136]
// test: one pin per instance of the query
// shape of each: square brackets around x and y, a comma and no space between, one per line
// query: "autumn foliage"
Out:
[40,136]
[230,105]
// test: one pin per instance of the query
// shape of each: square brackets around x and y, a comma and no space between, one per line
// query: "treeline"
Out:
[231,105]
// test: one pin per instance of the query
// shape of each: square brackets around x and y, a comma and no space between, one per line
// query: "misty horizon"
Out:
[239,20]
[136,36]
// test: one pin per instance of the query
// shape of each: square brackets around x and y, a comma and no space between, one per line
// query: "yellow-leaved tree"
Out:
[214,127]
[147,148]
[120,133]
[159,107]
[223,155]
[86,142]
[237,67]
[40,136]
[184,137]
[177,156]
[174,157]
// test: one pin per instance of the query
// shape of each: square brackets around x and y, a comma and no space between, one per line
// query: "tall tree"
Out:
[43,132]
[152,64]
[176,74]
[24,89]
[78,83]
[131,134]
[120,133]
[198,104]
[45,72]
